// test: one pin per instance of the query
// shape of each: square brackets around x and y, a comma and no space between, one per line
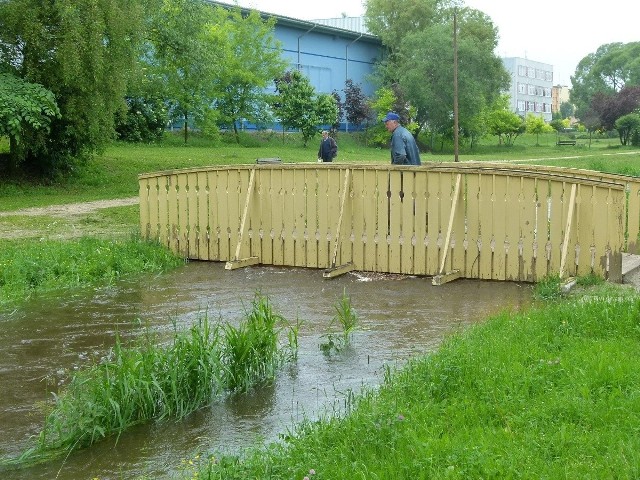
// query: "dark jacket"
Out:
[328,149]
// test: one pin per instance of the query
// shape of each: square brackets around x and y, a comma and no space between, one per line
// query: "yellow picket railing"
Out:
[472,220]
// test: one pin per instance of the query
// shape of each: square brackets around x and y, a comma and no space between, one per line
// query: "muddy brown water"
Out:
[399,317]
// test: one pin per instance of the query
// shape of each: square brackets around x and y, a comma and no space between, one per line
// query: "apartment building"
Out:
[531,86]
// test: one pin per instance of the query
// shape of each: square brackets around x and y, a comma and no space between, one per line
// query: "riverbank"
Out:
[553,392]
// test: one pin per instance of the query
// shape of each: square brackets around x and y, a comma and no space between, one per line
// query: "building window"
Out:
[522,70]
[522,88]
[531,72]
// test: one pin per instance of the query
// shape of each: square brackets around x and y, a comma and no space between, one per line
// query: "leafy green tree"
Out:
[504,123]
[607,71]
[144,121]
[249,67]
[186,54]
[80,50]
[298,106]
[567,110]
[419,35]
[26,112]
[536,125]
[627,125]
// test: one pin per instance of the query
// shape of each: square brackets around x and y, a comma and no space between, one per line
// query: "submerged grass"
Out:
[151,381]
[553,392]
[30,267]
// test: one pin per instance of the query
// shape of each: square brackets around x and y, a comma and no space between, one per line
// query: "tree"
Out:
[249,67]
[536,125]
[186,46]
[419,35]
[26,112]
[607,71]
[298,106]
[81,51]
[610,107]
[355,104]
[504,123]
[627,125]
[567,110]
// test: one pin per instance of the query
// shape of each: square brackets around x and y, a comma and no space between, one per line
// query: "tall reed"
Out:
[151,381]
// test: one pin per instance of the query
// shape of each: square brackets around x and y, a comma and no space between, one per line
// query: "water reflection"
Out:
[399,317]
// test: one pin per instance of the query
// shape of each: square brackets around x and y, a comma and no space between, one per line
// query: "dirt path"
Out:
[72,208]
[68,221]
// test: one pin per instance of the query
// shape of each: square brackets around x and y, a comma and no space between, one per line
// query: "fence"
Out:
[473,220]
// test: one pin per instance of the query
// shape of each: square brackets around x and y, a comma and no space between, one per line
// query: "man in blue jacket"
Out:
[404,150]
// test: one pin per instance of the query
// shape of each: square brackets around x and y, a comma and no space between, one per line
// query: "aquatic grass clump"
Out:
[251,352]
[151,381]
[133,385]
[347,319]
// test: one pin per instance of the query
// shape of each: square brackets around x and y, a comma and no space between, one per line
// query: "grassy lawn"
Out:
[114,174]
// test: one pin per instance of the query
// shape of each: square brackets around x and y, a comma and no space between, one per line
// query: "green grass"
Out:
[30,267]
[553,392]
[115,173]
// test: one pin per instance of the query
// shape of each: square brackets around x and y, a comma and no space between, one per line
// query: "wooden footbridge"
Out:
[448,220]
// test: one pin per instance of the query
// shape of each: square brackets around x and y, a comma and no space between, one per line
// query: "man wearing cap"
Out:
[404,150]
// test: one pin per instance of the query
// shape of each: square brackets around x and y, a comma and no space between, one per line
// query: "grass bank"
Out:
[32,267]
[553,392]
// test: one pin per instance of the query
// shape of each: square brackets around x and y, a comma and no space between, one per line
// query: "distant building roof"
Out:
[355,24]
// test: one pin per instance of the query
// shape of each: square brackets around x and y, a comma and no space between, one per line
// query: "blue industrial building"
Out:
[328,55]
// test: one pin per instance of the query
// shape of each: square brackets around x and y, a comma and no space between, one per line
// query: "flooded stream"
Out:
[399,317]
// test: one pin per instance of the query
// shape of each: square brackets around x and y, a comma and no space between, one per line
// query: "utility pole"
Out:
[455,85]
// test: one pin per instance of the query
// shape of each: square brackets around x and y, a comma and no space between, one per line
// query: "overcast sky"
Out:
[557,32]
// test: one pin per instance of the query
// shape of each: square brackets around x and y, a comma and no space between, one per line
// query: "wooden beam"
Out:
[337,271]
[336,241]
[245,262]
[447,239]
[446,278]
[567,230]
[243,221]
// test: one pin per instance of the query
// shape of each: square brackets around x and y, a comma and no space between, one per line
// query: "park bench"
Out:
[268,160]
[566,142]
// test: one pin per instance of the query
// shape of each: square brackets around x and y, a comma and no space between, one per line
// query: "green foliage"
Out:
[347,319]
[536,125]
[505,124]
[249,68]
[607,71]
[251,353]
[627,125]
[298,106]
[187,41]
[419,37]
[144,121]
[30,267]
[24,107]
[89,83]
[549,288]
[152,381]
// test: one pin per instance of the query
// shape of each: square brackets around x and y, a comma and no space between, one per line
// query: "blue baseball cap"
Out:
[391,116]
